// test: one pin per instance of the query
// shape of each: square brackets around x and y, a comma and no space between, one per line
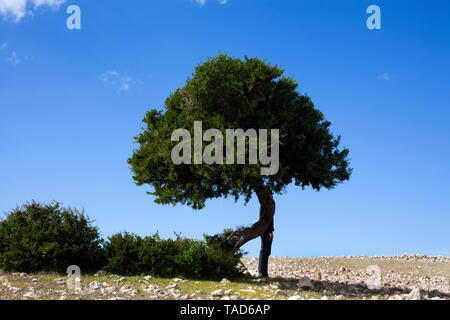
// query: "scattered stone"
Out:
[396,297]
[126,289]
[14,289]
[225,281]
[305,283]
[172,286]
[120,280]
[218,293]
[280,293]
[174,293]
[248,290]
[229,292]
[94,285]
[148,278]
[31,294]
[296,298]
[415,294]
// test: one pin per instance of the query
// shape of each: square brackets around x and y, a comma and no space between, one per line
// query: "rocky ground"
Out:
[407,277]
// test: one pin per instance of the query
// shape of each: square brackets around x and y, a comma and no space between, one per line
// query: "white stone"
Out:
[126,289]
[229,292]
[415,294]
[94,285]
[31,294]
[218,293]
[296,298]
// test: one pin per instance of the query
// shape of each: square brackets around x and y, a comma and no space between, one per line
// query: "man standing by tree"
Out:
[266,244]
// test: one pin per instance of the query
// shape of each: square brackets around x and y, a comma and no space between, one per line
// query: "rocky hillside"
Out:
[395,278]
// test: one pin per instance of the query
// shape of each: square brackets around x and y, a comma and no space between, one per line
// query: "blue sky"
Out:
[71,102]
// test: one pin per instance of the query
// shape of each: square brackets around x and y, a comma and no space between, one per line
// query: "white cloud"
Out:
[17,9]
[14,59]
[202,2]
[123,83]
[384,76]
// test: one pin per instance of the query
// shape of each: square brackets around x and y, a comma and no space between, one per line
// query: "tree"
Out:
[226,92]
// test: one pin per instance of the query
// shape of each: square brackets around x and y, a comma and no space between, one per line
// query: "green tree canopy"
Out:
[226,92]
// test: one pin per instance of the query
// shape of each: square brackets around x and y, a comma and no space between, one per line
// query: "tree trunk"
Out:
[267,211]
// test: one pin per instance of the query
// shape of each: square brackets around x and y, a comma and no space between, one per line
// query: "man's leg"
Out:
[266,246]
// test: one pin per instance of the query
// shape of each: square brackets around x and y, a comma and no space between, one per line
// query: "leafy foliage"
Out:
[48,237]
[230,93]
[213,258]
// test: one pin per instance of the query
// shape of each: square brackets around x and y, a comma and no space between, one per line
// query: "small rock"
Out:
[172,286]
[280,293]
[305,283]
[147,278]
[31,294]
[296,298]
[415,294]
[14,289]
[229,292]
[218,293]
[94,285]
[119,280]
[175,293]
[225,281]
[126,289]
[396,297]
[248,290]
[109,289]
[317,276]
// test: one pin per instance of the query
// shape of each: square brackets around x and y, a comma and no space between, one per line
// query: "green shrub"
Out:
[48,237]
[213,258]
